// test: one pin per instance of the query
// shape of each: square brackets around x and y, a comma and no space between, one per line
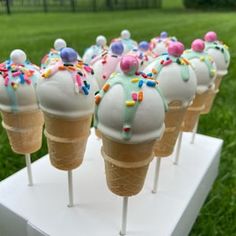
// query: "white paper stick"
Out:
[29,171]
[124,216]
[177,154]
[156,176]
[70,189]
[194,131]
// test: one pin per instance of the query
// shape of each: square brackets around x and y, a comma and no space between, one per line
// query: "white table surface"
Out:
[42,209]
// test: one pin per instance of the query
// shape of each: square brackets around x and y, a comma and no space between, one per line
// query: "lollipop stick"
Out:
[124,216]
[157,172]
[176,161]
[28,165]
[70,189]
[194,131]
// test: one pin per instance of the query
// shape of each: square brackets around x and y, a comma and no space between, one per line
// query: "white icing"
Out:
[148,123]
[218,57]
[171,83]
[59,44]
[101,41]
[57,96]
[18,56]
[25,97]
[204,81]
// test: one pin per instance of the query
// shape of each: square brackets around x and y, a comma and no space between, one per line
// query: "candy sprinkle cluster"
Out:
[166,60]
[132,87]
[78,70]
[15,74]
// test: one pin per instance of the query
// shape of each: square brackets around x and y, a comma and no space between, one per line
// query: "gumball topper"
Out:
[18,56]
[198,45]
[210,36]
[125,34]
[59,44]
[143,46]
[164,34]
[117,48]
[129,64]
[176,49]
[101,41]
[68,55]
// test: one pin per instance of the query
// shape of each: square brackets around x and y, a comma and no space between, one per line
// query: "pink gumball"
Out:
[129,64]
[176,49]
[210,36]
[198,45]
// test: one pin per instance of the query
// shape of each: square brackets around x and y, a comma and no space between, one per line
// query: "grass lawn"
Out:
[35,34]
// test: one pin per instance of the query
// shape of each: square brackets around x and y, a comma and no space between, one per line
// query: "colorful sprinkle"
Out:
[97,99]
[140,96]
[106,87]
[140,83]
[151,83]
[85,90]
[167,62]
[135,80]
[130,103]
[135,96]
[126,128]
[154,71]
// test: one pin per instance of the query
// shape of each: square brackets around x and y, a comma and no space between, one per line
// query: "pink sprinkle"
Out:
[135,96]
[198,45]
[175,49]
[210,36]
[27,80]
[17,73]
[88,69]
[6,81]
[167,62]
[79,80]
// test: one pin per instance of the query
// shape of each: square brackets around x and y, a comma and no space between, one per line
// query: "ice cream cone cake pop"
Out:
[205,70]
[130,131]
[21,116]
[159,44]
[107,63]
[66,97]
[220,54]
[177,82]
[95,50]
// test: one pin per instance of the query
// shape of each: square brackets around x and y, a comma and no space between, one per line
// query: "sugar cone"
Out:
[24,130]
[126,165]
[194,111]
[98,133]
[66,139]
[211,95]
[218,81]
[173,120]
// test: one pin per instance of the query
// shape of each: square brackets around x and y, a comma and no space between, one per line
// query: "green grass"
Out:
[35,34]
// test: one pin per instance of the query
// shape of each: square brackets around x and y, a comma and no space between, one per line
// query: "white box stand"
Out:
[42,209]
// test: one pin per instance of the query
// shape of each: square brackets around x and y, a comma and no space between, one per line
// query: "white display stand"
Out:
[41,209]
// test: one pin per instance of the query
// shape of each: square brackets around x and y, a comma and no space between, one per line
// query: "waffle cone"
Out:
[218,81]
[98,133]
[193,112]
[66,139]
[173,120]
[211,94]
[24,130]
[126,165]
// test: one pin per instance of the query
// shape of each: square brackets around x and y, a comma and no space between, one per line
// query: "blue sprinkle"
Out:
[22,79]
[140,83]
[149,74]
[151,83]
[85,90]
